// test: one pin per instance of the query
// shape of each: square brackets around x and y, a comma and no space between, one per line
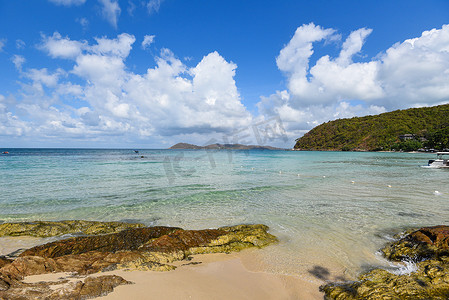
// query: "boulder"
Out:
[425,243]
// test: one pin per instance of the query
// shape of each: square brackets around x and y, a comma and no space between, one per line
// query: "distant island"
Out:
[401,130]
[223,147]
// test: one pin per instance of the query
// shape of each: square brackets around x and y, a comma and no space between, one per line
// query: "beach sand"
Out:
[208,276]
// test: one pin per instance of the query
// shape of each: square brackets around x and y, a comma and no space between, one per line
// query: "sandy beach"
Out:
[239,275]
[208,276]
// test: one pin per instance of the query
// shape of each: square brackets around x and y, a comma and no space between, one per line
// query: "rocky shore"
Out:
[106,246]
[427,248]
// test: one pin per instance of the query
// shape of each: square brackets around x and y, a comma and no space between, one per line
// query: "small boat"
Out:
[442,161]
[5,152]
[136,151]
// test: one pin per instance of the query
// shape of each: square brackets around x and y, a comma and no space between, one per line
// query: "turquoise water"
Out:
[332,209]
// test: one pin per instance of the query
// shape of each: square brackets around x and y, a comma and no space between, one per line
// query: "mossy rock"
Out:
[427,247]
[425,243]
[430,281]
[56,228]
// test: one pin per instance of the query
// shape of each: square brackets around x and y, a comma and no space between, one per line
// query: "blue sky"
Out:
[150,73]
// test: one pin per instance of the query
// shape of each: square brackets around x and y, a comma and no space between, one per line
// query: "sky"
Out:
[152,73]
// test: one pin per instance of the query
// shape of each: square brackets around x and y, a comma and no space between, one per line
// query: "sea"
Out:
[332,211]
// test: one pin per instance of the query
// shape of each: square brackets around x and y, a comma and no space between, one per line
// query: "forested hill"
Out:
[423,127]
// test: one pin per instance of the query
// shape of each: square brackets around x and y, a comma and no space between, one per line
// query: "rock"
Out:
[430,281]
[253,235]
[137,248]
[30,265]
[89,263]
[7,280]
[90,287]
[182,240]
[161,239]
[427,247]
[425,243]
[55,228]
[145,265]
[4,261]
[96,286]
[128,239]
[222,240]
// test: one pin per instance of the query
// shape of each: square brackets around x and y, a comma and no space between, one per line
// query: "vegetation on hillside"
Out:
[429,127]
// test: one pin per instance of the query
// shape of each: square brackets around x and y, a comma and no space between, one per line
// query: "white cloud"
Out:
[68,2]
[153,6]
[147,41]
[329,79]
[294,57]
[171,99]
[43,76]
[175,104]
[417,70]
[10,124]
[110,11]
[121,46]
[353,45]
[99,98]
[59,47]
[412,73]
[18,61]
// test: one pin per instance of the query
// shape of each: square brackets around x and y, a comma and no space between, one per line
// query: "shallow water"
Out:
[331,210]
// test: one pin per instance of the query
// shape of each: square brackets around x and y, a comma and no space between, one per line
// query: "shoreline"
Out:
[421,258]
[145,263]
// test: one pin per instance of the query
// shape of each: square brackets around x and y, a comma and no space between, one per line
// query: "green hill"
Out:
[424,127]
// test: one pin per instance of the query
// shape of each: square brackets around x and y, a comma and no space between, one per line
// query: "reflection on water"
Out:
[331,210]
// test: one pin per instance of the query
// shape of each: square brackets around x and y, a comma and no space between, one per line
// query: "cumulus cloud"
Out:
[147,41]
[110,11]
[44,77]
[330,79]
[412,73]
[99,98]
[61,47]
[68,2]
[121,46]
[169,99]
[416,71]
